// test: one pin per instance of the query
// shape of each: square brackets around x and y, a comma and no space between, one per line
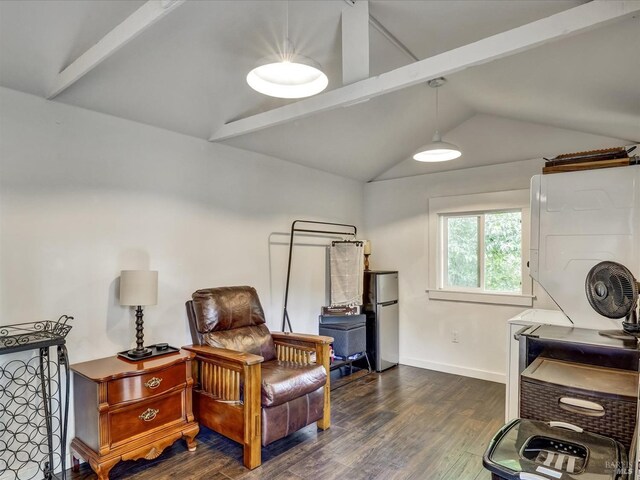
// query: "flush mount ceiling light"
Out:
[437,150]
[288,75]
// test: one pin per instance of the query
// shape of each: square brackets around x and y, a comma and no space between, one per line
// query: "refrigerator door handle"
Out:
[386,304]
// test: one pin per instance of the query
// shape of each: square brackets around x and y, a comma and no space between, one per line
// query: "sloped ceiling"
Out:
[186,74]
[488,140]
[363,140]
[590,82]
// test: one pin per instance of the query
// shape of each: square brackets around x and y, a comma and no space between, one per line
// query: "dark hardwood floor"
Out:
[405,423]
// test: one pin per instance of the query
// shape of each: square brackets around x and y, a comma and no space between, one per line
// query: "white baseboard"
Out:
[455,369]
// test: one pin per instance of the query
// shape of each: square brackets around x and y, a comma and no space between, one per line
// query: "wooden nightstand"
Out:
[130,410]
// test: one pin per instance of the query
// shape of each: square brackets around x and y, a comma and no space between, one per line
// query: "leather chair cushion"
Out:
[284,381]
[282,420]
[254,339]
[225,308]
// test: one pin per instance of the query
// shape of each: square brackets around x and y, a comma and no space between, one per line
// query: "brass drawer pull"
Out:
[149,414]
[153,383]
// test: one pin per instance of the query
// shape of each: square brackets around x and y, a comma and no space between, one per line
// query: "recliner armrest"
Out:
[321,345]
[225,354]
[302,337]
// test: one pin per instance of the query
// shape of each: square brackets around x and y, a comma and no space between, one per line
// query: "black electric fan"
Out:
[612,291]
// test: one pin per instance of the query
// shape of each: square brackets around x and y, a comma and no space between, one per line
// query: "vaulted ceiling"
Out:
[186,74]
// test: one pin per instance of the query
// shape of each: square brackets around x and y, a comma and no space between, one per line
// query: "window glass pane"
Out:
[503,251]
[462,252]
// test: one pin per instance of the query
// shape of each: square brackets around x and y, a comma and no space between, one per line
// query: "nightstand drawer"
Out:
[130,421]
[143,386]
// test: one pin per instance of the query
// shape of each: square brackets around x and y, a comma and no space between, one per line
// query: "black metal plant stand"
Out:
[34,399]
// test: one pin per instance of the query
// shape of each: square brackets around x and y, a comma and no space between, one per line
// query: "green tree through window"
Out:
[503,252]
[498,235]
[462,255]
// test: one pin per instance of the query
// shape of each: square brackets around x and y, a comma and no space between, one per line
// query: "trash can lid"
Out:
[552,450]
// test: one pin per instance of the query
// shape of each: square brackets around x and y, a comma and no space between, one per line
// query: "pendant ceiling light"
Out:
[288,75]
[437,150]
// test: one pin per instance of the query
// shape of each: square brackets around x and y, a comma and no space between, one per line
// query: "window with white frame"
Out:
[477,248]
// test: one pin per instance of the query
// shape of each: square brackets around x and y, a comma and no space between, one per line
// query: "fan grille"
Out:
[611,289]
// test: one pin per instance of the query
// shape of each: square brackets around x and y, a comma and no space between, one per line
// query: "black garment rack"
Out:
[294,230]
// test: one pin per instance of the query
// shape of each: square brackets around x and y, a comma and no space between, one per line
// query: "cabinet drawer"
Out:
[600,400]
[130,421]
[615,418]
[143,386]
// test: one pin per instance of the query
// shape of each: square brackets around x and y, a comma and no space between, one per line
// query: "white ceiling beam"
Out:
[148,14]
[375,23]
[355,41]
[576,20]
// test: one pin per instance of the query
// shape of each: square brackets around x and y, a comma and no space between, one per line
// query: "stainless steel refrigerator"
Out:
[381,307]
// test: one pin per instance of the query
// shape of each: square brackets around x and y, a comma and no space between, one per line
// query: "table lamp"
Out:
[367,252]
[138,288]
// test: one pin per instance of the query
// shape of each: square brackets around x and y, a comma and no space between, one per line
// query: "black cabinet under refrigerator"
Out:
[381,308]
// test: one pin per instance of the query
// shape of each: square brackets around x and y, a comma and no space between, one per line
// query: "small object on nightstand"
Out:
[156,350]
[130,410]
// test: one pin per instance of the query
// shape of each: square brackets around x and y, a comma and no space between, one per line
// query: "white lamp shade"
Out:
[292,77]
[367,247]
[437,151]
[138,287]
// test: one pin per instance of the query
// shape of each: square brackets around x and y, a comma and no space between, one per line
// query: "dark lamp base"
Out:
[135,353]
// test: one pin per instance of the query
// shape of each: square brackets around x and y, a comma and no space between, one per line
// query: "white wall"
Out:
[396,221]
[85,195]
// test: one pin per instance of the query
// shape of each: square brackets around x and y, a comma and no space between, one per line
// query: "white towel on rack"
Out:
[347,272]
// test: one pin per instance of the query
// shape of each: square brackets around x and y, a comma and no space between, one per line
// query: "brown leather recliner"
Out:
[254,386]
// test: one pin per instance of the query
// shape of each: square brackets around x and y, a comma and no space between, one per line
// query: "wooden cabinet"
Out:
[131,410]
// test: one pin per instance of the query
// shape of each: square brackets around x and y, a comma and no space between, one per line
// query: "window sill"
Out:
[481,297]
